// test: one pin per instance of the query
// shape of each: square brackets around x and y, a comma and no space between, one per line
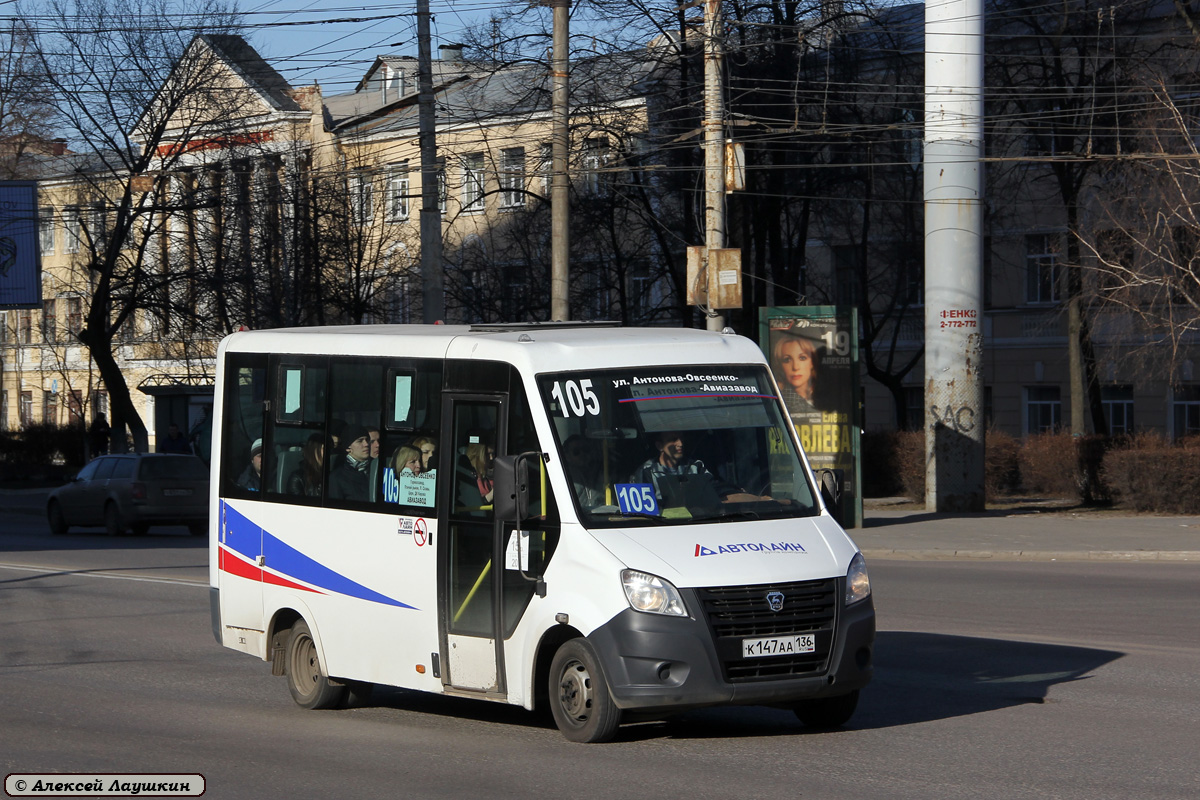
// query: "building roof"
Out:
[260,75]
[473,92]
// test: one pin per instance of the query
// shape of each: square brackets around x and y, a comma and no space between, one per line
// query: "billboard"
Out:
[20,261]
[813,352]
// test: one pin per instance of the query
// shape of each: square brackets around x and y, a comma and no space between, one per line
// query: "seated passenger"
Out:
[582,461]
[306,479]
[407,461]
[349,480]
[251,478]
[474,475]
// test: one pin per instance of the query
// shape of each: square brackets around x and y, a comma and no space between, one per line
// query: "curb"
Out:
[1176,556]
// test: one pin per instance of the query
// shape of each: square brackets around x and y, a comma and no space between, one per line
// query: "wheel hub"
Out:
[575,691]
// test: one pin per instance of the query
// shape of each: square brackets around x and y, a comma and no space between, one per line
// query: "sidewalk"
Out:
[1033,531]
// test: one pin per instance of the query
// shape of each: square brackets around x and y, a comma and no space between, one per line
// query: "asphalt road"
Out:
[994,680]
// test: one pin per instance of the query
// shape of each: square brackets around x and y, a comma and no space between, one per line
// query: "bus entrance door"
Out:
[470,583]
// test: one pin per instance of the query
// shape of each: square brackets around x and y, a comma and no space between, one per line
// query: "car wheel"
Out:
[583,707]
[307,682]
[828,712]
[58,522]
[112,520]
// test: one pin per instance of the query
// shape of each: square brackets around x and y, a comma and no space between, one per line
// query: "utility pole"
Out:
[954,421]
[560,237]
[433,280]
[714,153]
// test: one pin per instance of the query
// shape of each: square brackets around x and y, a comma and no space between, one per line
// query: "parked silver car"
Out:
[133,492]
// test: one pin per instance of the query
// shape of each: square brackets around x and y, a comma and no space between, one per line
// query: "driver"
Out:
[672,460]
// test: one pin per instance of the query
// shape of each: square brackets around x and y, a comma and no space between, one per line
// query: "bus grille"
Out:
[735,613]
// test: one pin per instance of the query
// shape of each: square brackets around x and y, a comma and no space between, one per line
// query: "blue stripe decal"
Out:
[242,537]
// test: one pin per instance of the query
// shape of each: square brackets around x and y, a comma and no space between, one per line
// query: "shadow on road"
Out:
[919,677]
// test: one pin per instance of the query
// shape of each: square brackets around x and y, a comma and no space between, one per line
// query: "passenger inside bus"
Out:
[349,480]
[583,461]
[251,478]
[474,474]
[306,479]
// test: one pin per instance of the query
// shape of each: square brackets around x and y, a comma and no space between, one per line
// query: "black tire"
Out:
[307,681]
[58,522]
[828,712]
[112,519]
[579,697]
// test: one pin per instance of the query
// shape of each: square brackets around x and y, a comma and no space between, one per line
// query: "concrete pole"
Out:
[954,421]
[560,237]
[433,294]
[714,148]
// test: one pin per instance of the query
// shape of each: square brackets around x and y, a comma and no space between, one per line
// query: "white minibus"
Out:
[614,523]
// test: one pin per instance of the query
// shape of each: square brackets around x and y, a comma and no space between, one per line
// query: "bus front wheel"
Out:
[308,684]
[583,707]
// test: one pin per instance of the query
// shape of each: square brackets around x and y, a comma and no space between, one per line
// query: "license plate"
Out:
[177,492]
[779,646]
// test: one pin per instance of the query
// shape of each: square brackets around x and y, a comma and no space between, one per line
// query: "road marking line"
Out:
[103,573]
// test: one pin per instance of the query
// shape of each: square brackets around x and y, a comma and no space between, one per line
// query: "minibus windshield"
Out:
[676,445]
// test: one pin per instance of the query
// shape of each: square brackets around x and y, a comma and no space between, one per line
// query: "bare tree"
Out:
[126,94]
[26,114]
[1144,239]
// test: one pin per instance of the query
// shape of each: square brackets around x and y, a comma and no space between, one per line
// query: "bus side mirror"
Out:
[510,476]
[830,482]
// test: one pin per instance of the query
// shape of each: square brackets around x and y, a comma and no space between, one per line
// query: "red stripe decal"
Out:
[235,566]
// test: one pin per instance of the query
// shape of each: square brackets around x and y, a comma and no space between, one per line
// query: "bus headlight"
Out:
[858,585]
[652,594]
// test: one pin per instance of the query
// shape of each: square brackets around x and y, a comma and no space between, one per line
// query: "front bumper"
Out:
[656,663]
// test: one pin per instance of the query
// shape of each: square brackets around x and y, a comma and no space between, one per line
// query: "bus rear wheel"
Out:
[583,707]
[307,682]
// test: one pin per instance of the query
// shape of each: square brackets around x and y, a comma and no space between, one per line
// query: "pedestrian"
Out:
[98,435]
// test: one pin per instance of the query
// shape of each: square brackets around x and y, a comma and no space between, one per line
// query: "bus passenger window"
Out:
[409,474]
[356,405]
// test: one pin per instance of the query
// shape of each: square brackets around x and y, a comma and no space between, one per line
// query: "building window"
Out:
[546,168]
[442,192]
[361,198]
[512,177]
[1185,411]
[472,185]
[99,403]
[49,322]
[914,408]
[71,229]
[98,226]
[1042,271]
[50,408]
[75,315]
[397,193]
[75,407]
[847,265]
[24,326]
[1118,409]
[26,409]
[595,159]
[46,230]
[1043,409]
